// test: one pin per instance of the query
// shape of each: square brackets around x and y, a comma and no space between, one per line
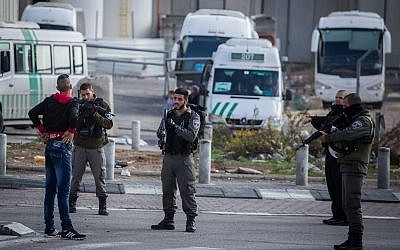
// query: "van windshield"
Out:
[199,46]
[245,82]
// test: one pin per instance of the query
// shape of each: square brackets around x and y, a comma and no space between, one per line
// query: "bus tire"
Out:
[1,123]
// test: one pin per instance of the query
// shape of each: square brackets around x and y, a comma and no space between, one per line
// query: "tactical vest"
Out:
[175,144]
[362,147]
[88,127]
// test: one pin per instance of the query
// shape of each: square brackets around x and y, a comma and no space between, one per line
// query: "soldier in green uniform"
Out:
[355,143]
[181,126]
[94,118]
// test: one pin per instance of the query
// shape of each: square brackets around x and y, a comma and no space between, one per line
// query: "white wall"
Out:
[142,18]
[9,10]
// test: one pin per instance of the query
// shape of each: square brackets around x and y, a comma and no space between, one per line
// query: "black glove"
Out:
[171,124]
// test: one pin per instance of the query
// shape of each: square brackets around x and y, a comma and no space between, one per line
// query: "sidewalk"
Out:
[223,186]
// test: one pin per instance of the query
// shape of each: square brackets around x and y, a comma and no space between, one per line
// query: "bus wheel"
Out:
[326,105]
[1,123]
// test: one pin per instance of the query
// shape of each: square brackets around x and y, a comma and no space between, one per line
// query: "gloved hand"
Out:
[171,123]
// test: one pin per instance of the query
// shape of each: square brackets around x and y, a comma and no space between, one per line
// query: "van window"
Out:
[43,59]
[62,60]
[4,58]
[78,60]
[23,58]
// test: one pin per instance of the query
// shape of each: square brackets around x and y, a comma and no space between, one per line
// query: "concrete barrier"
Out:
[205,161]
[135,135]
[3,154]
[383,168]
[302,166]
[103,87]
[109,151]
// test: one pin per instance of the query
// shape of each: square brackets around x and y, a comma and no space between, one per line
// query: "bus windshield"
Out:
[245,82]
[341,48]
[199,46]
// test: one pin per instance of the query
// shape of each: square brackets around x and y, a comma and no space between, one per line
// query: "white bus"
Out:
[245,86]
[201,33]
[339,41]
[30,61]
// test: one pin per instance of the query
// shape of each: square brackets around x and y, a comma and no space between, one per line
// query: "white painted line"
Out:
[300,194]
[293,214]
[397,195]
[192,248]
[108,245]
[274,194]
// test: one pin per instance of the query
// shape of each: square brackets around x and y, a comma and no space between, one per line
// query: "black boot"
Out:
[166,224]
[72,203]
[103,206]
[352,243]
[190,224]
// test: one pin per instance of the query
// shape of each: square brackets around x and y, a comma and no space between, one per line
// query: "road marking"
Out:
[292,214]
[108,245]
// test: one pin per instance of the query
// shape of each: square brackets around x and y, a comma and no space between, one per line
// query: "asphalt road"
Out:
[222,224]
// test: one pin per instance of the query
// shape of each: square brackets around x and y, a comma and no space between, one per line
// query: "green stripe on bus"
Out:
[215,108]
[223,108]
[33,78]
[231,110]
[41,90]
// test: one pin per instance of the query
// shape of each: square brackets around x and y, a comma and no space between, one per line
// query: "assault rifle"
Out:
[162,133]
[325,128]
[85,106]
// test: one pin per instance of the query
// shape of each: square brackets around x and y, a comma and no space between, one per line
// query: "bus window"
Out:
[23,58]
[43,59]
[78,60]
[62,61]
[4,58]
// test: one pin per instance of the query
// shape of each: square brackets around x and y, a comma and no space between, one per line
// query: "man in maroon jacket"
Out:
[57,128]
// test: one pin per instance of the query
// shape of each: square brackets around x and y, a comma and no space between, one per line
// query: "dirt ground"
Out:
[24,155]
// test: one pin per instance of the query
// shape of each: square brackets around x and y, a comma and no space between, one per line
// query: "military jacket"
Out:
[359,135]
[102,122]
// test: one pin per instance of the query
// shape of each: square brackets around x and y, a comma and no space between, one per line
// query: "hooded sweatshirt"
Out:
[59,111]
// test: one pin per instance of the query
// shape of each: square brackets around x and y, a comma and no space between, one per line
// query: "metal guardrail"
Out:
[132,61]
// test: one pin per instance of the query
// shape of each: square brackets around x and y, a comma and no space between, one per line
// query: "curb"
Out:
[228,176]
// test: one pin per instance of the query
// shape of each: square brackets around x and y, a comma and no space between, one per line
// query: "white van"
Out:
[57,16]
[202,32]
[245,87]
[30,61]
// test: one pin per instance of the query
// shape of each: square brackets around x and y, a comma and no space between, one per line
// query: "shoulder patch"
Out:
[196,124]
[356,124]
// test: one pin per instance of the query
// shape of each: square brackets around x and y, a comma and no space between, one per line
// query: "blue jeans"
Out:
[58,180]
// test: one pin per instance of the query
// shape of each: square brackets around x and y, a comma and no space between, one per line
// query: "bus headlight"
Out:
[377,86]
[320,85]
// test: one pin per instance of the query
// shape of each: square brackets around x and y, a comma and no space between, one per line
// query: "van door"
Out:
[6,82]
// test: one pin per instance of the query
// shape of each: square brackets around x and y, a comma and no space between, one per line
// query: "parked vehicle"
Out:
[30,61]
[341,41]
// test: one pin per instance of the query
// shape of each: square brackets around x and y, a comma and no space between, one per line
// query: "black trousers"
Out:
[179,169]
[334,183]
[352,184]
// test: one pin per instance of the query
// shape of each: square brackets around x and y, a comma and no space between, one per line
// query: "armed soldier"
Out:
[354,142]
[332,168]
[181,126]
[94,119]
